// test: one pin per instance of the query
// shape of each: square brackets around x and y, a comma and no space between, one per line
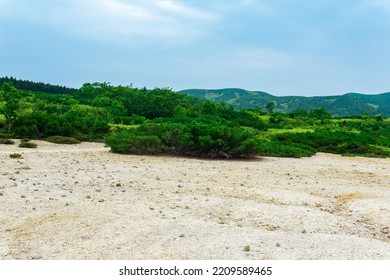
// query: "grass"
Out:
[27,144]
[16,156]
[62,140]
[274,131]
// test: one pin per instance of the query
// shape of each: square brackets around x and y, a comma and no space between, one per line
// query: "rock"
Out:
[385,230]
[278,245]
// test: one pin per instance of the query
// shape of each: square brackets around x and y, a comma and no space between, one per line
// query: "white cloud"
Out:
[383,5]
[111,18]
[182,10]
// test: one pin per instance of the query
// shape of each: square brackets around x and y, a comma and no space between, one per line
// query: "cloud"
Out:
[376,4]
[107,19]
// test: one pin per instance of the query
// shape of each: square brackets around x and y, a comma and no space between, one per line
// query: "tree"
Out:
[270,107]
[320,114]
[11,96]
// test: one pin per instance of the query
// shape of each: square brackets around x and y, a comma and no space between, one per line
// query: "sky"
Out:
[283,47]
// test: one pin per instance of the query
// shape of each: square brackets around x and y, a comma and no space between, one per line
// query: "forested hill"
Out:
[350,104]
[161,121]
[36,86]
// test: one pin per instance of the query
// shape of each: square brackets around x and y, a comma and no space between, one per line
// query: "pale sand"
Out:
[83,202]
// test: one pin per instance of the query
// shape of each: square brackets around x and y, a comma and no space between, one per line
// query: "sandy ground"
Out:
[83,202]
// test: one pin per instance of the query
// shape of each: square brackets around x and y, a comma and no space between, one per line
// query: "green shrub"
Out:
[280,149]
[336,141]
[190,137]
[127,142]
[29,145]
[6,135]
[6,141]
[62,140]
[15,155]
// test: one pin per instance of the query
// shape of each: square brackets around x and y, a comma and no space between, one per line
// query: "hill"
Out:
[350,104]
[161,121]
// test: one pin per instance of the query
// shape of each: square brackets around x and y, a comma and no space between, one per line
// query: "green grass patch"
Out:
[27,144]
[62,140]
[280,149]
[16,156]
[6,141]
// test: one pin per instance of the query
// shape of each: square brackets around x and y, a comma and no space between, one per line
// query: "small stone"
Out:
[182,235]
[101,200]
[278,245]
[23,196]
[385,230]
[270,228]
[304,231]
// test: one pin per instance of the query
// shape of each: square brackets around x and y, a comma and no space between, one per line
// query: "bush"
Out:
[334,141]
[15,155]
[62,140]
[127,142]
[29,145]
[280,149]
[6,141]
[191,137]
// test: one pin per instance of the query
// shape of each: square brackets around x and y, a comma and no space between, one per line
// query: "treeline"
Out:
[36,86]
[160,121]
[183,125]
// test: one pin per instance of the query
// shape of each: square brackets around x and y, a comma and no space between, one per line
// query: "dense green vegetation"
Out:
[350,104]
[161,121]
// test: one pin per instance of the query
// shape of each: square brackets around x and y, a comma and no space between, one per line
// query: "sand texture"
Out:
[82,202]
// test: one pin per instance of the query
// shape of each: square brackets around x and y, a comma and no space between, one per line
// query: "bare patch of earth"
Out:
[83,202]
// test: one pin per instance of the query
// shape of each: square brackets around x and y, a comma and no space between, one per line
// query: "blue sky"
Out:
[284,47]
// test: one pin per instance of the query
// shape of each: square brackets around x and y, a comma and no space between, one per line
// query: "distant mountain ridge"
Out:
[350,104]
